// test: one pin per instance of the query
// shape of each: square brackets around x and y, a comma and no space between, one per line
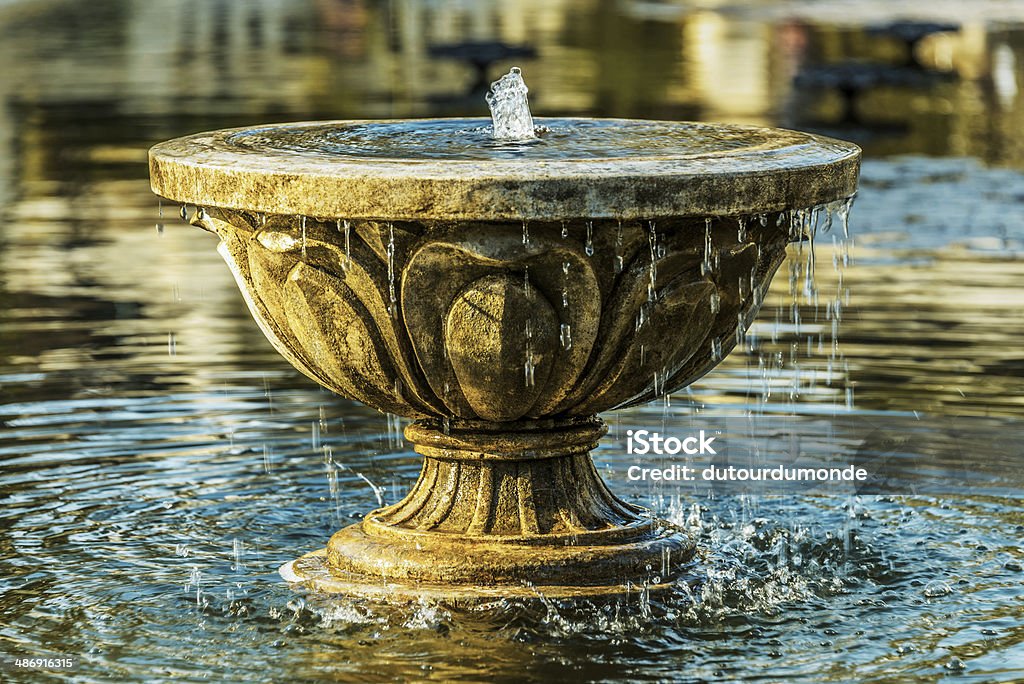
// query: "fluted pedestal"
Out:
[516,512]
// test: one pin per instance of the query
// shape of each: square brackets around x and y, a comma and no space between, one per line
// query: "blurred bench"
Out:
[481,55]
[910,33]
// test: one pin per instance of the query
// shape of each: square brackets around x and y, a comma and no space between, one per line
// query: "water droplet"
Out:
[303,236]
[652,239]
[348,245]
[565,336]
[937,588]
[619,259]
[955,664]
[707,264]
[236,552]
[392,296]
[844,215]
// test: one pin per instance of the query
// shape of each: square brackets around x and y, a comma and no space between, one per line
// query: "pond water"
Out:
[472,139]
[159,461]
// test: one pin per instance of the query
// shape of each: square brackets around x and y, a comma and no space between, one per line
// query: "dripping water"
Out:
[392,298]
[652,239]
[707,265]
[618,248]
[343,228]
[528,366]
[303,221]
[565,285]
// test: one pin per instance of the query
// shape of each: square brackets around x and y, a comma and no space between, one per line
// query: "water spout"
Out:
[510,109]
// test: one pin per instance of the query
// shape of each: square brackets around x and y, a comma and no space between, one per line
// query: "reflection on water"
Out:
[159,460]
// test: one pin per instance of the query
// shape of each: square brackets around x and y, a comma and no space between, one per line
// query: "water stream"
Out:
[510,108]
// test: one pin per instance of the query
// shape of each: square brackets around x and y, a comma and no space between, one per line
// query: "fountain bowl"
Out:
[502,295]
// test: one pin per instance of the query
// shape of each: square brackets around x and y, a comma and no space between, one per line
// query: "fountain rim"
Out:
[204,169]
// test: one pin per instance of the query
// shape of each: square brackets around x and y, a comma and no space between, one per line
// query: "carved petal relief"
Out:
[482,321]
[543,329]
[500,338]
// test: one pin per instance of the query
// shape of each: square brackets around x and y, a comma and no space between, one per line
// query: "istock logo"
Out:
[641,442]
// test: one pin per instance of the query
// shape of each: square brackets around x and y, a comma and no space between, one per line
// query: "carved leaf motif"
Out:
[676,324]
[370,280]
[442,268]
[652,318]
[449,320]
[334,329]
[331,322]
[500,337]
[738,262]
[234,250]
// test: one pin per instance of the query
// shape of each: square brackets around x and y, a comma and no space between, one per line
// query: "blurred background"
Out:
[91,266]
[158,459]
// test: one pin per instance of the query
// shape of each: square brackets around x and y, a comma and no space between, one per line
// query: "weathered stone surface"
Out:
[284,170]
[421,291]
[508,508]
[464,321]
[500,336]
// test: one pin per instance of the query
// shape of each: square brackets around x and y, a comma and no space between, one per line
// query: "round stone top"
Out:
[448,169]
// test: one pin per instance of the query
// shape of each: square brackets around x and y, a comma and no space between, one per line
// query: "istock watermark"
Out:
[641,442]
[733,474]
[846,453]
[743,454]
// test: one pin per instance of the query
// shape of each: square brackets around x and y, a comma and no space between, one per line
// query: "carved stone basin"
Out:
[502,295]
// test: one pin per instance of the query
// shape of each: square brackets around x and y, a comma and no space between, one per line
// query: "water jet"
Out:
[502,289]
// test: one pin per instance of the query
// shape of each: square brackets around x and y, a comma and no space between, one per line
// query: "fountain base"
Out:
[519,512]
[314,572]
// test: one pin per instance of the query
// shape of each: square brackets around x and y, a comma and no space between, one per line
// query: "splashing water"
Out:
[510,109]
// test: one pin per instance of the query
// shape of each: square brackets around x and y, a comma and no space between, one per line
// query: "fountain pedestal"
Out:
[516,507]
[502,295]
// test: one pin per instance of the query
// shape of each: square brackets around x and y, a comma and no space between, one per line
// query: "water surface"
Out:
[472,139]
[159,461]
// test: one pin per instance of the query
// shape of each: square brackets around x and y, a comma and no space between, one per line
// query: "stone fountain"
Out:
[503,285]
